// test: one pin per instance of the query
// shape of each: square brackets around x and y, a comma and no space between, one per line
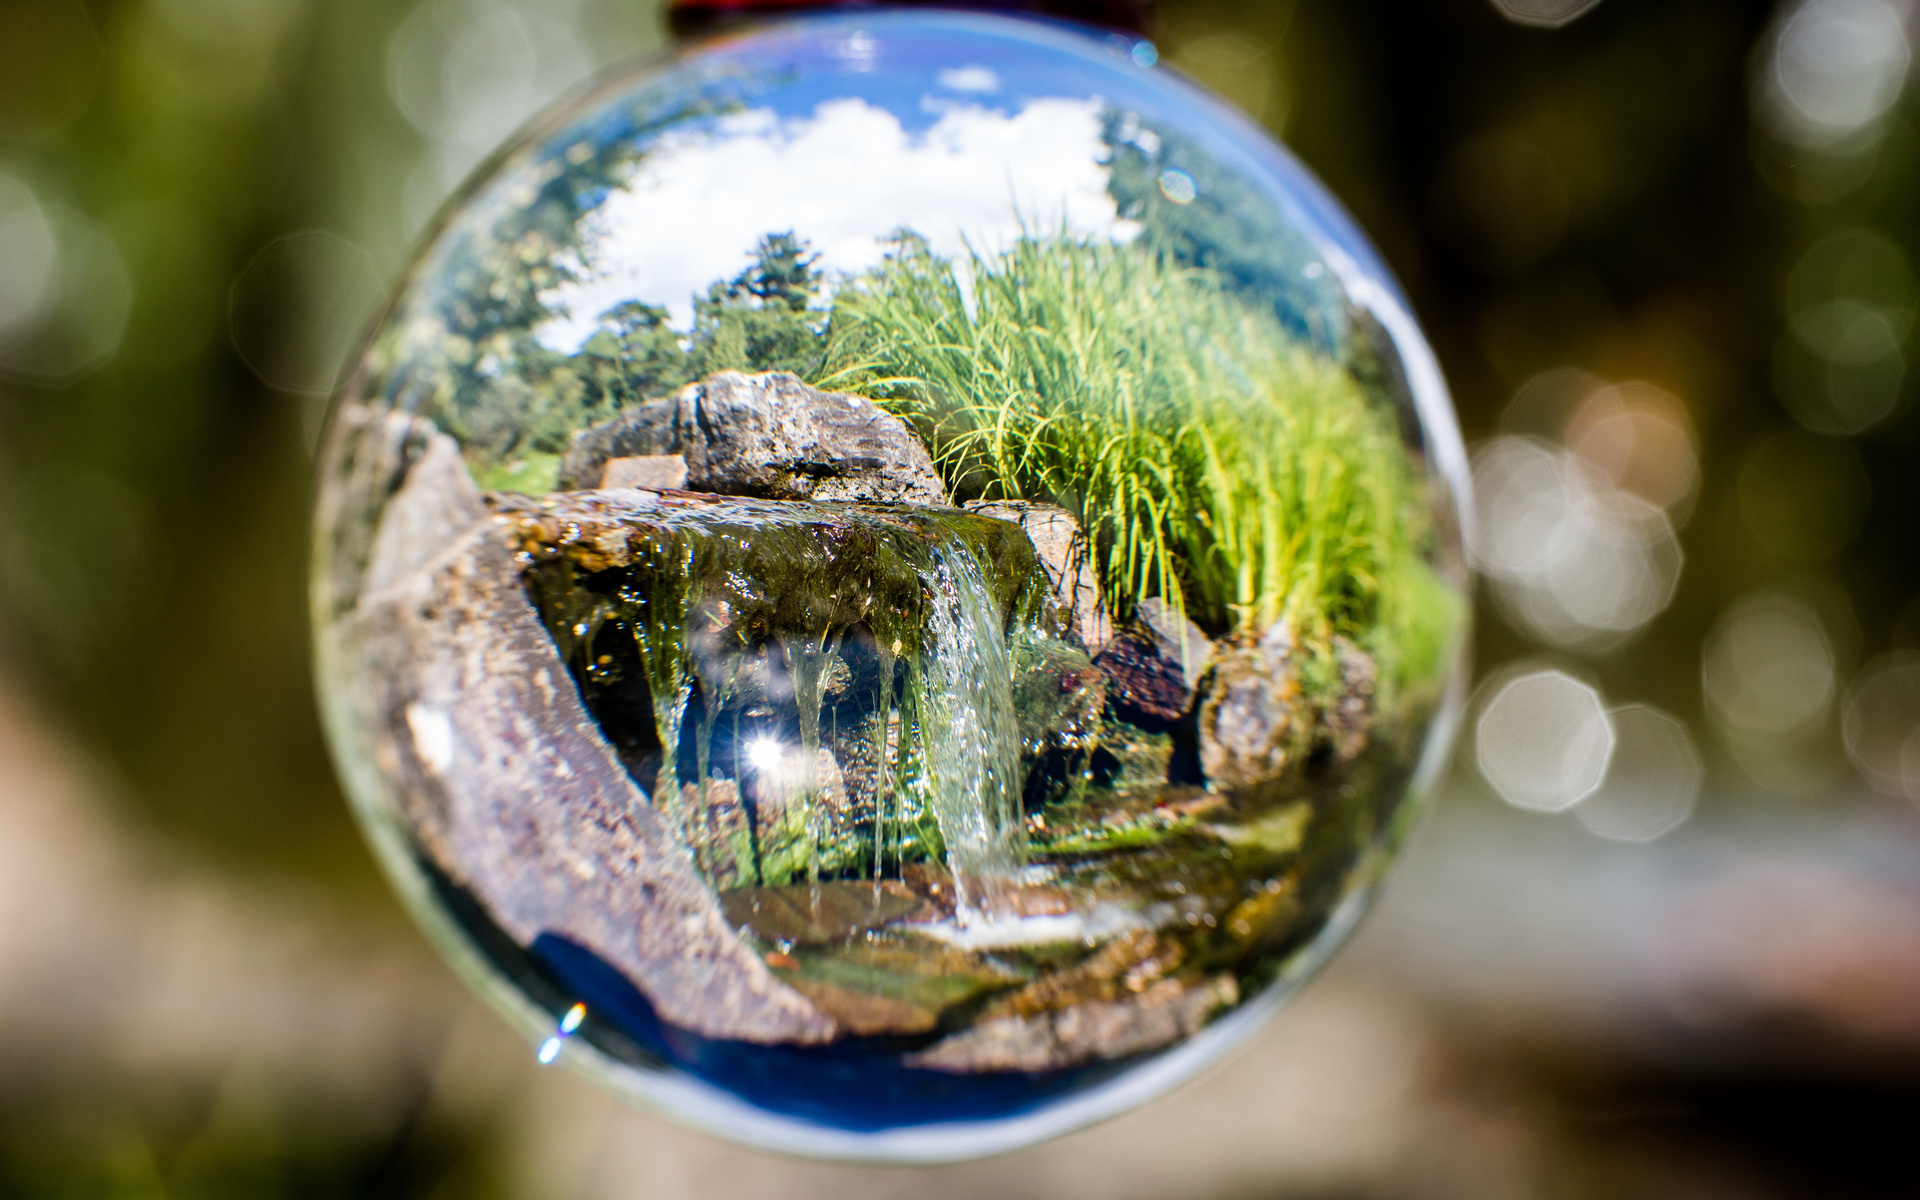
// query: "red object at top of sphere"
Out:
[690,17]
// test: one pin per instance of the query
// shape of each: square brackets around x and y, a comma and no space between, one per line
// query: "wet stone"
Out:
[892,988]
[801,914]
[1130,759]
[1059,695]
[1159,1015]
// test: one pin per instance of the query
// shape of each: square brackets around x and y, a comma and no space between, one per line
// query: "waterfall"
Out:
[734,617]
[970,735]
[808,659]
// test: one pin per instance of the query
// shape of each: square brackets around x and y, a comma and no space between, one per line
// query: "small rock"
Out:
[1145,688]
[1178,639]
[714,823]
[1062,549]
[652,471]
[864,1014]
[770,436]
[1131,760]
[1253,726]
[1058,694]
[804,821]
[884,988]
[1058,697]
[866,751]
[1126,964]
[1269,915]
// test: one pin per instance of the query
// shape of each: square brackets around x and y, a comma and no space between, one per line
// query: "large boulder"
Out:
[1062,549]
[770,436]
[456,705]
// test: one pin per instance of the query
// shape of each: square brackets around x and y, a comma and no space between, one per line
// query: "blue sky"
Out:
[961,127]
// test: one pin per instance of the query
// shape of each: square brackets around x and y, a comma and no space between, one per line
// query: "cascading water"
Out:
[796,601]
[970,744]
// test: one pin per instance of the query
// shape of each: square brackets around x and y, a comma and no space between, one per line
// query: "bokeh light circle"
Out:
[1543,740]
[1881,724]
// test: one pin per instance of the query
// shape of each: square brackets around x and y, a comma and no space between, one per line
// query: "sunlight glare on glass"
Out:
[765,753]
[1178,186]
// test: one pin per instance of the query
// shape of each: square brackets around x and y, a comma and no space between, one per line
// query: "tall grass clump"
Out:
[1213,460]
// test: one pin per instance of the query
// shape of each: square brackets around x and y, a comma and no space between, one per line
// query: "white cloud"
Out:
[843,179]
[971,78]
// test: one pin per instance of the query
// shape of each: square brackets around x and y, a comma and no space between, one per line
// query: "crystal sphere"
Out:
[889,585]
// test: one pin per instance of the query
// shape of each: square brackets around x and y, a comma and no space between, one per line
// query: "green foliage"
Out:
[645,352]
[1212,458]
[533,475]
[468,355]
[1228,227]
[783,273]
[760,320]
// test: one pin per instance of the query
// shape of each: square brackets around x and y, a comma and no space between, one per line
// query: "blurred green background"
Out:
[206,990]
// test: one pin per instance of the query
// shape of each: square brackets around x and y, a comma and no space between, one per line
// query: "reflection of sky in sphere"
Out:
[851,122]
[840,179]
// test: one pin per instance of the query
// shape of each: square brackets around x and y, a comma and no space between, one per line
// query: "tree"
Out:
[1201,213]
[640,352]
[468,355]
[762,319]
[783,272]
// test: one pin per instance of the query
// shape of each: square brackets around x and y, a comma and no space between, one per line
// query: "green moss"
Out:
[532,474]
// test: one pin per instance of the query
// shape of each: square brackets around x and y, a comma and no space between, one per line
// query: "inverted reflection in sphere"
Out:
[889,586]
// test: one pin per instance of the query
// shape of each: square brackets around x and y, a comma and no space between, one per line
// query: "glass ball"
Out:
[890,585]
